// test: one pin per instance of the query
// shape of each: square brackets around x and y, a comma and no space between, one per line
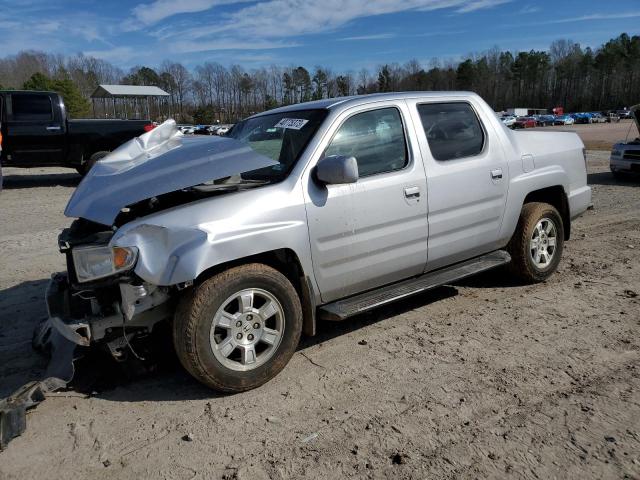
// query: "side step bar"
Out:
[348,307]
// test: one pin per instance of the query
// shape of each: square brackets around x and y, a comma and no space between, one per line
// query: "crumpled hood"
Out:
[160,161]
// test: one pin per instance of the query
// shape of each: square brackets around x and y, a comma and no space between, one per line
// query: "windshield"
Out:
[282,137]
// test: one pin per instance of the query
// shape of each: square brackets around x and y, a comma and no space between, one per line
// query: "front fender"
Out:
[169,255]
[162,251]
[177,245]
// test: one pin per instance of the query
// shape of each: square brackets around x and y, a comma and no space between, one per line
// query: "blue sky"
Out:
[341,34]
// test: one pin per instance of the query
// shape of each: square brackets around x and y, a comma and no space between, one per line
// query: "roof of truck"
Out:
[108,91]
[28,91]
[354,100]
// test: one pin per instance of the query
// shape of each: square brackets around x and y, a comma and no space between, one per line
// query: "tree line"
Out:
[567,75]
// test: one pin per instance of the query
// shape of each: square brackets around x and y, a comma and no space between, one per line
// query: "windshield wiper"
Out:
[222,187]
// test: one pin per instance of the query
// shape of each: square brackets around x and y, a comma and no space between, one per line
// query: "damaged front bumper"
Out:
[58,300]
[111,314]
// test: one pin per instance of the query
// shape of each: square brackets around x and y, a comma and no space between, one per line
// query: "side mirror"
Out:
[337,169]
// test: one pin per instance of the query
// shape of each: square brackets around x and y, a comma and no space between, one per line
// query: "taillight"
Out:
[148,127]
[0,141]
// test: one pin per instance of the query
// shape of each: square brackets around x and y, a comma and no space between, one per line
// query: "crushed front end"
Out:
[100,300]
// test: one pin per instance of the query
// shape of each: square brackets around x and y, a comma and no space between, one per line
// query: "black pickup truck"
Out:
[36,132]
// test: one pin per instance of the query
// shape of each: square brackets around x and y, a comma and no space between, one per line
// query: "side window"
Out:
[375,138]
[31,107]
[452,130]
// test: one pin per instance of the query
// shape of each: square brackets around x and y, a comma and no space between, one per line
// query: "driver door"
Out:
[372,232]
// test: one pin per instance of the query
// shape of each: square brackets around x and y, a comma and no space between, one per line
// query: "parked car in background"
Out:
[582,117]
[524,122]
[223,130]
[612,117]
[625,156]
[624,113]
[251,237]
[564,120]
[186,129]
[508,120]
[597,117]
[201,130]
[545,120]
[37,133]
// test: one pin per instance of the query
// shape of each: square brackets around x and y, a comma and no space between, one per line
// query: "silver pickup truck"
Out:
[625,156]
[320,210]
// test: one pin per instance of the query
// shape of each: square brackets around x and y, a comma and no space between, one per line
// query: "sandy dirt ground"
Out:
[482,379]
[600,136]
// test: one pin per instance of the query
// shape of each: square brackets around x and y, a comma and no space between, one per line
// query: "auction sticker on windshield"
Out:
[293,123]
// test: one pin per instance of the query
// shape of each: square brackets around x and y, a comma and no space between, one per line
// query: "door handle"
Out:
[412,192]
[54,128]
[496,174]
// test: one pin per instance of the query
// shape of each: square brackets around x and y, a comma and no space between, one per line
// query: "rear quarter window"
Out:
[452,130]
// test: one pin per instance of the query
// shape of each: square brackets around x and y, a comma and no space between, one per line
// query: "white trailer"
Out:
[524,112]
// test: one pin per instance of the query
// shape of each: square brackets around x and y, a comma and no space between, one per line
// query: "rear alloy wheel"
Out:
[542,246]
[239,328]
[536,245]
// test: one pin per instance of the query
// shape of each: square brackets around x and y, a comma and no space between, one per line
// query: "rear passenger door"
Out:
[466,180]
[35,129]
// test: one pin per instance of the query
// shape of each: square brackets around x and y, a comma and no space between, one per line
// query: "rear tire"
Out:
[88,165]
[238,329]
[536,246]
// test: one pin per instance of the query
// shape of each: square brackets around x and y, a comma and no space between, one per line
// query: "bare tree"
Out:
[181,82]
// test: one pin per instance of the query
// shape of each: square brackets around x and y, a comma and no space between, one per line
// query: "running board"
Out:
[348,307]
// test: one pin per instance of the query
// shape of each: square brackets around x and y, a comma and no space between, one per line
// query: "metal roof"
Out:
[354,100]
[109,91]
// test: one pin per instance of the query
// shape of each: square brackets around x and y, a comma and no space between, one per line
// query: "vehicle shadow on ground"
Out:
[497,278]
[327,331]
[607,178]
[168,381]
[163,379]
[70,179]
[22,307]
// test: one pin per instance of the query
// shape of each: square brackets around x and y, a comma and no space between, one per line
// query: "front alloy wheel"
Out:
[239,328]
[247,329]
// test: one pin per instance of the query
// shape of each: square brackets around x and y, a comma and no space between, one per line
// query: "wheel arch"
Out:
[287,262]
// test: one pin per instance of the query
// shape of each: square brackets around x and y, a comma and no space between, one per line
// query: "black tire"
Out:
[86,166]
[195,315]
[522,264]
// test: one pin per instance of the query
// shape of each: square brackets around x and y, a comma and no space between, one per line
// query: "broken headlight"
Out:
[92,263]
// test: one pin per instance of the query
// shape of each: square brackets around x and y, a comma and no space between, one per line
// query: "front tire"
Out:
[238,329]
[536,245]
